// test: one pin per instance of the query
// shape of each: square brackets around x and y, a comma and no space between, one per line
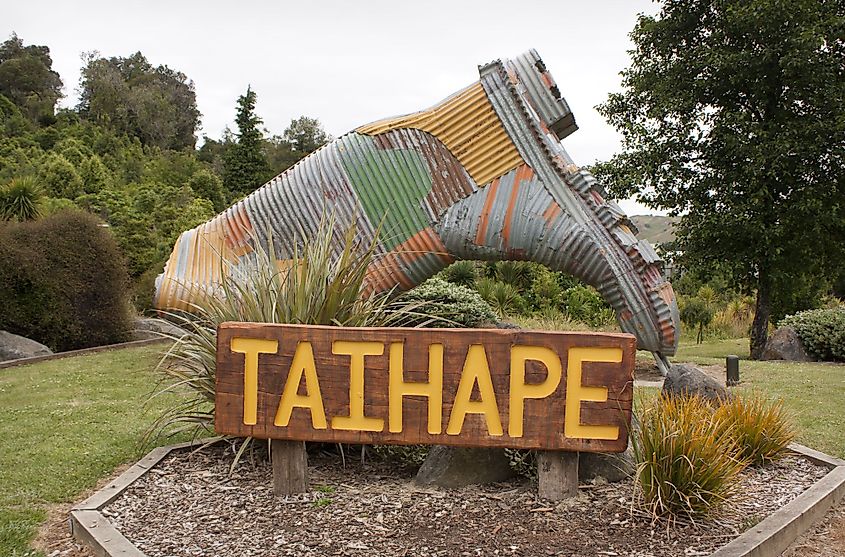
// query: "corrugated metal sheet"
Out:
[467,125]
[482,175]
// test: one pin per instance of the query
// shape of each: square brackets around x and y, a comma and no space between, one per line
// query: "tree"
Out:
[731,117]
[245,164]
[157,105]
[305,135]
[28,80]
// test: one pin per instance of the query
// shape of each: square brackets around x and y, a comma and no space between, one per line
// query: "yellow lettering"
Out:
[302,364]
[520,390]
[251,348]
[433,389]
[357,351]
[577,393]
[476,370]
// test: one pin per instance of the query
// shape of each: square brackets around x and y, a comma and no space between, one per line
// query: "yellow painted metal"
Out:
[469,127]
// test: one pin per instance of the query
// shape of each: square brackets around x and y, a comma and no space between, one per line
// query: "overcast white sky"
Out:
[345,62]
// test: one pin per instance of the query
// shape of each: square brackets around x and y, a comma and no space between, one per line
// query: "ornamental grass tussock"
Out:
[762,429]
[688,462]
[689,454]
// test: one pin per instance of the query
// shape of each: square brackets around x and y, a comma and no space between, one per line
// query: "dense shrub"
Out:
[63,282]
[452,305]
[686,457]
[821,330]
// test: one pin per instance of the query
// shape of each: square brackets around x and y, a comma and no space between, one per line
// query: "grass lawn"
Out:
[813,392]
[63,425]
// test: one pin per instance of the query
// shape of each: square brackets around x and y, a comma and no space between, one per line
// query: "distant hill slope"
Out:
[655,228]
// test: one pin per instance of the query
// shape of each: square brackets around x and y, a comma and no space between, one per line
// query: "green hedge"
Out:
[822,331]
[63,282]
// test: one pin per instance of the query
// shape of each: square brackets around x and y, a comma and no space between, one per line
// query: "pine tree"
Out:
[245,163]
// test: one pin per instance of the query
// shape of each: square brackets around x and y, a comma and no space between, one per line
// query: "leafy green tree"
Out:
[60,177]
[28,80]
[95,175]
[156,104]
[696,312]
[731,117]
[245,164]
[206,185]
[305,135]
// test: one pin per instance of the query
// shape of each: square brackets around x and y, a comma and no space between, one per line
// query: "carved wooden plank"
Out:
[341,380]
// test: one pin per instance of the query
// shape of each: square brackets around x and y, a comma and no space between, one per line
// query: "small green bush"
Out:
[686,457]
[585,304]
[63,282]
[696,312]
[449,304]
[822,331]
[761,429]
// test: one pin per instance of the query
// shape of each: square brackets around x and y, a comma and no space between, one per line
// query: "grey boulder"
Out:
[785,344]
[148,328]
[14,347]
[688,380]
[453,467]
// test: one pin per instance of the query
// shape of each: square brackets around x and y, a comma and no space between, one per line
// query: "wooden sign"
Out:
[464,387]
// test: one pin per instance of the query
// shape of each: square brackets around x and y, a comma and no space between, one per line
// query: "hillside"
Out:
[656,229]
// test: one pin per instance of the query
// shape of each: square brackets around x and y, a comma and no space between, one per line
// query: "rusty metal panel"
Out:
[481,175]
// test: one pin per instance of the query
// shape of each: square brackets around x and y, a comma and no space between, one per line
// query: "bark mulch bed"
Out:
[189,505]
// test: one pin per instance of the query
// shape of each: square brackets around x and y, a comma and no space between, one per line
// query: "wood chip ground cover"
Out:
[189,505]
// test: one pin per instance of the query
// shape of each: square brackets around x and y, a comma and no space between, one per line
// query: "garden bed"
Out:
[188,504]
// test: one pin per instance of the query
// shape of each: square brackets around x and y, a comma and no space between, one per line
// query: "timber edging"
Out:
[771,537]
[82,352]
[89,526]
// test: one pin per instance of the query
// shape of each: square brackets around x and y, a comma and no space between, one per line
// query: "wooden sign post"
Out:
[463,387]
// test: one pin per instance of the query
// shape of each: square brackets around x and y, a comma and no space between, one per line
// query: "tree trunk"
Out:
[762,313]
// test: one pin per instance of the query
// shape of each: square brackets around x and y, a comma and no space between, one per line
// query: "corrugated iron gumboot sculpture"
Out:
[481,175]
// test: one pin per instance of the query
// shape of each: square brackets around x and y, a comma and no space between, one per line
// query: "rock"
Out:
[458,467]
[785,344]
[686,379]
[147,328]
[613,467]
[13,347]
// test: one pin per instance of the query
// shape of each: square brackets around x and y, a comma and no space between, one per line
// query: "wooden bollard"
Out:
[290,467]
[557,474]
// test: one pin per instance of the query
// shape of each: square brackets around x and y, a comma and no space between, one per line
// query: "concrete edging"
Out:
[82,352]
[770,538]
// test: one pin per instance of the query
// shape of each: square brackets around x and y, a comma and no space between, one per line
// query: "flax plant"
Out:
[322,284]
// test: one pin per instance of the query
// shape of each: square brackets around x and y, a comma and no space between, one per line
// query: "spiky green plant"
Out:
[518,274]
[462,273]
[761,428]
[687,463]
[502,297]
[318,286]
[20,199]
